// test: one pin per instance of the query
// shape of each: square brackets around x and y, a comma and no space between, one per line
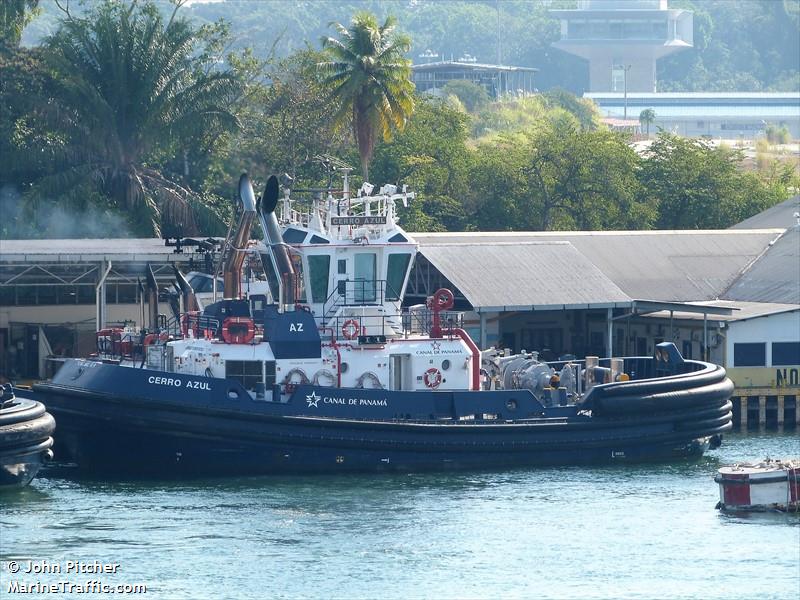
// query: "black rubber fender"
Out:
[707,376]
[27,432]
[21,409]
[19,453]
[663,400]
[702,414]
[710,423]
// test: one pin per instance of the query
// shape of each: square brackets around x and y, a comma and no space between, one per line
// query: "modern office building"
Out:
[497,80]
[623,40]
[725,115]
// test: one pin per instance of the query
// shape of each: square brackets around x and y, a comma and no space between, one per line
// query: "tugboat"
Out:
[326,373]
[26,431]
[767,485]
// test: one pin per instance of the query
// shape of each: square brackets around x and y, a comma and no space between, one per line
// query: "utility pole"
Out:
[499,47]
[625,70]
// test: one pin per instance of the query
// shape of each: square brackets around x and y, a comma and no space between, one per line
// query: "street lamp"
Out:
[625,70]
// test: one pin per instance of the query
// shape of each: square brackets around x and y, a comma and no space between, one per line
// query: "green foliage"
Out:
[128,119]
[646,118]
[523,114]
[583,109]
[777,135]
[369,78]
[474,97]
[14,16]
[132,90]
[698,186]
[430,155]
[581,180]
[739,45]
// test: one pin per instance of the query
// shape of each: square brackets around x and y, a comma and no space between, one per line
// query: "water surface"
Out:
[612,532]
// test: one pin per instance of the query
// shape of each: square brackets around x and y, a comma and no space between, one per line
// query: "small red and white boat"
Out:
[759,486]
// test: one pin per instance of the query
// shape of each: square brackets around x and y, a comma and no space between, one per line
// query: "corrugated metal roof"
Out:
[524,276]
[742,312]
[469,66]
[710,110]
[87,250]
[679,97]
[676,266]
[775,276]
[780,215]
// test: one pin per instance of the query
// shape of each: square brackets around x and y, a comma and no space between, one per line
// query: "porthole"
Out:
[445,364]
[233,394]
[511,404]
[343,367]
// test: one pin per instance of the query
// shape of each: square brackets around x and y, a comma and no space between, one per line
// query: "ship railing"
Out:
[418,320]
[361,292]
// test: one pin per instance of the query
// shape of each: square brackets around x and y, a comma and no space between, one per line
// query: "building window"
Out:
[785,354]
[617,76]
[750,355]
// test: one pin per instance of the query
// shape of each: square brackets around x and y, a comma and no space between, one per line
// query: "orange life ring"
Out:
[351,329]
[432,378]
[244,330]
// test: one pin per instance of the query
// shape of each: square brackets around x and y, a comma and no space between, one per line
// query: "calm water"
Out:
[622,532]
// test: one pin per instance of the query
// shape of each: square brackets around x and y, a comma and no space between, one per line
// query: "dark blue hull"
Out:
[106,425]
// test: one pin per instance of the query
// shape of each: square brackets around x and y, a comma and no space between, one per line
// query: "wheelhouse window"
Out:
[785,354]
[364,276]
[396,275]
[246,372]
[750,355]
[318,268]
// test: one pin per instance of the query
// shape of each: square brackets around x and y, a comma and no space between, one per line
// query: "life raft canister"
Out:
[238,330]
[351,329]
[432,378]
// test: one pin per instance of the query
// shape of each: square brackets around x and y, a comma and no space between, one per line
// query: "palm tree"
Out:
[646,118]
[131,93]
[369,77]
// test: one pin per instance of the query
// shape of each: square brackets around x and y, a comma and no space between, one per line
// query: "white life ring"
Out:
[351,329]
[432,378]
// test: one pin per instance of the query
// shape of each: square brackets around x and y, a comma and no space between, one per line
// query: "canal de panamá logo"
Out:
[313,400]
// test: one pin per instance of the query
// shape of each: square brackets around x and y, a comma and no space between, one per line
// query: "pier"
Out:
[766,408]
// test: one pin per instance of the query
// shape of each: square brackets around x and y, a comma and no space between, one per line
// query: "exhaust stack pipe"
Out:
[189,299]
[273,237]
[152,298]
[237,245]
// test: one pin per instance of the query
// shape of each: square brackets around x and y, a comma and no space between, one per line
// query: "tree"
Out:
[369,78]
[132,90]
[473,96]
[14,15]
[698,186]
[646,118]
[431,156]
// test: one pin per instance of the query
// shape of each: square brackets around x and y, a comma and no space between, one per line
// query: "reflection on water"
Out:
[638,531]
